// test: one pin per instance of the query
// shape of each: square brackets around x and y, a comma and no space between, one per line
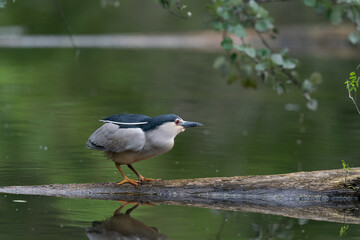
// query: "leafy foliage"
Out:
[2,3]
[249,64]
[337,11]
[345,166]
[346,169]
[343,230]
[351,85]
[175,7]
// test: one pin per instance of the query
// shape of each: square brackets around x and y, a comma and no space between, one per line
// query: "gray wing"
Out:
[109,137]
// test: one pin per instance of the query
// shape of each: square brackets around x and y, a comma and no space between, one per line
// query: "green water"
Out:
[51,103]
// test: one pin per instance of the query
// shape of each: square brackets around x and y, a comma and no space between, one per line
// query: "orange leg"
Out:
[125,203]
[117,211]
[141,178]
[126,179]
[136,202]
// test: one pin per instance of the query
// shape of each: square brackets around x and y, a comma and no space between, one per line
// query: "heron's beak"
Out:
[189,124]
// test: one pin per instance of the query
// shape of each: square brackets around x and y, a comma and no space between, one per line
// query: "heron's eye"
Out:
[177,121]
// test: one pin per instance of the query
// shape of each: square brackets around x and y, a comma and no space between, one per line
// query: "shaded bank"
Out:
[318,40]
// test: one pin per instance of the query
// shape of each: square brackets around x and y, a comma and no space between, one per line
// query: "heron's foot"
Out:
[124,203]
[127,202]
[142,179]
[129,180]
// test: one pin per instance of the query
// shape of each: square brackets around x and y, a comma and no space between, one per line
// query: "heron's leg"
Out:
[132,209]
[141,178]
[126,179]
[125,203]
[117,211]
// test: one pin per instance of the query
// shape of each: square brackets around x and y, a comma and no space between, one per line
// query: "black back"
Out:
[128,118]
[151,123]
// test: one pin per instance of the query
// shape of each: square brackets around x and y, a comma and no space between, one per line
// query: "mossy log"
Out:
[322,195]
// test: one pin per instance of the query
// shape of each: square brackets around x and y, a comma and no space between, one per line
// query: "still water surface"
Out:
[50,104]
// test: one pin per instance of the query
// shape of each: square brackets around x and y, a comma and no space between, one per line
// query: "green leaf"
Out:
[312,104]
[280,89]
[263,52]
[264,77]
[233,57]
[249,83]
[289,64]
[262,12]
[320,9]
[354,37]
[264,25]
[251,52]
[352,73]
[239,30]
[219,62]
[310,3]
[240,48]
[336,15]
[284,51]
[277,59]
[247,70]
[2,3]
[253,5]
[232,78]
[222,12]
[316,78]
[236,2]
[227,43]
[217,25]
[307,86]
[260,67]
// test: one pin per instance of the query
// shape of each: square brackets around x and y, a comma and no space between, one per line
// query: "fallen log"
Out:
[285,189]
[321,195]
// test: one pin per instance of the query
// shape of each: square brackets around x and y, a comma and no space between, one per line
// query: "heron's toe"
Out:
[128,180]
[142,179]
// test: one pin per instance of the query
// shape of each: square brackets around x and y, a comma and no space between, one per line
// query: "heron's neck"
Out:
[161,137]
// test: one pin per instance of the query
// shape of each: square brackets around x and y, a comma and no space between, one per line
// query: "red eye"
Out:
[177,121]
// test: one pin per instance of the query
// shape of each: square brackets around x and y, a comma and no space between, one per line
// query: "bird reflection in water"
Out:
[121,226]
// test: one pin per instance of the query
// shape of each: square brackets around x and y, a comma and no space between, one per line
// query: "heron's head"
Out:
[171,125]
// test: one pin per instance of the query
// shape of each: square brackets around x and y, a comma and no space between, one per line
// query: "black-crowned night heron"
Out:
[123,226]
[129,138]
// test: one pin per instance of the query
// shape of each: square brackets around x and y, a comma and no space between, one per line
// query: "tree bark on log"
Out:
[321,195]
